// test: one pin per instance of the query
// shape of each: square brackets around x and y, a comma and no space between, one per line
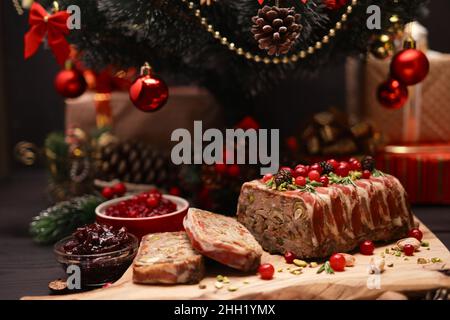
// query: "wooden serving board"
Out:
[405,277]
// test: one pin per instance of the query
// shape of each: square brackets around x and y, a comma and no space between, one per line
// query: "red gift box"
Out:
[424,171]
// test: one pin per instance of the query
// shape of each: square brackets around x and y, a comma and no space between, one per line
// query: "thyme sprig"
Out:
[326,267]
[308,187]
[311,186]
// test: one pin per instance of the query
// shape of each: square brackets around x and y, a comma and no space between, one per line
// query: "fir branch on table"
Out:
[62,219]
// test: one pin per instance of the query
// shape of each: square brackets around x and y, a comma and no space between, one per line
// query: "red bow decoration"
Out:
[54,25]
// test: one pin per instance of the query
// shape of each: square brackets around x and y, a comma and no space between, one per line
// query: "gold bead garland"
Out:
[302,54]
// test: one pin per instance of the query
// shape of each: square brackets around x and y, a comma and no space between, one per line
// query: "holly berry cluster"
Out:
[117,190]
[306,177]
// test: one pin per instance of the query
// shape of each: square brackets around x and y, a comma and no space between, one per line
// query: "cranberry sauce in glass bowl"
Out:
[101,252]
[143,205]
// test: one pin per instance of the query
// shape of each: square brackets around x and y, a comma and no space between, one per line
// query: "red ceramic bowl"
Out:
[141,226]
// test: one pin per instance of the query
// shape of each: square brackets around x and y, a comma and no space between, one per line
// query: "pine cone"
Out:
[326,167]
[368,163]
[283,176]
[136,163]
[276,29]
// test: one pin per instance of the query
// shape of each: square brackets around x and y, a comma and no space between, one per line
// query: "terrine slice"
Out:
[167,258]
[223,239]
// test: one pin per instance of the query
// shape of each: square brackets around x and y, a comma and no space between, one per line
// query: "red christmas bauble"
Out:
[70,83]
[410,66]
[149,93]
[335,4]
[392,94]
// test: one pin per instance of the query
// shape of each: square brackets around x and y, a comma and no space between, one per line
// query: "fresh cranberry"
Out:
[153,202]
[352,159]
[333,163]
[367,247]
[266,271]
[324,181]
[355,165]
[133,213]
[300,172]
[289,257]
[119,189]
[317,167]
[300,181]
[408,249]
[366,174]
[108,193]
[234,170]
[337,262]
[220,168]
[267,177]
[343,169]
[416,233]
[314,175]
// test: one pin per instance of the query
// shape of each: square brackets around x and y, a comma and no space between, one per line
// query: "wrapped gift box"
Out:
[424,170]
[426,115]
[185,105]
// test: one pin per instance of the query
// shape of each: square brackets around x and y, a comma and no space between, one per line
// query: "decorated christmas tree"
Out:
[234,48]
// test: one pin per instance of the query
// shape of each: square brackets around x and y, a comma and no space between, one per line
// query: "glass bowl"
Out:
[98,269]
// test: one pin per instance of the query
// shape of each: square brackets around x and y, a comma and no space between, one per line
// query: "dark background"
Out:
[34,109]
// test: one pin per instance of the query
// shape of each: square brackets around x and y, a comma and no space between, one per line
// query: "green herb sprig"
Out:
[326,267]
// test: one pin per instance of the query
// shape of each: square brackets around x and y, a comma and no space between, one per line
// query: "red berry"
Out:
[366,248]
[108,193]
[352,159]
[119,189]
[153,202]
[343,169]
[267,177]
[366,174]
[234,170]
[175,191]
[289,257]
[220,168]
[408,249]
[416,233]
[317,167]
[334,163]
[337,262]
[314,175]
[266,271]
[300,171]
[300,181]
[355,165]
[324,181]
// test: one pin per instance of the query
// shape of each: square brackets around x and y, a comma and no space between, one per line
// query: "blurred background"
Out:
[30,107]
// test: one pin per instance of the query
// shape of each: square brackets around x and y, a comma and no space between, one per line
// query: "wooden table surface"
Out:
[26,268]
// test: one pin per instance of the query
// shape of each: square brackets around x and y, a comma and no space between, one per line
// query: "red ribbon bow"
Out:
[54,25]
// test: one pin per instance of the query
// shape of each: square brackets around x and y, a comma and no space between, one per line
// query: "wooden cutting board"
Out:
[406,277]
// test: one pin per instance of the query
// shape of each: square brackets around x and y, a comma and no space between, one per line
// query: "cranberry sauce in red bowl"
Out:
[147,212]
[144,205]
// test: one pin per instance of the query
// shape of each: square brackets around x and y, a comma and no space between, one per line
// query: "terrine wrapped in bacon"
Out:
[329,219]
